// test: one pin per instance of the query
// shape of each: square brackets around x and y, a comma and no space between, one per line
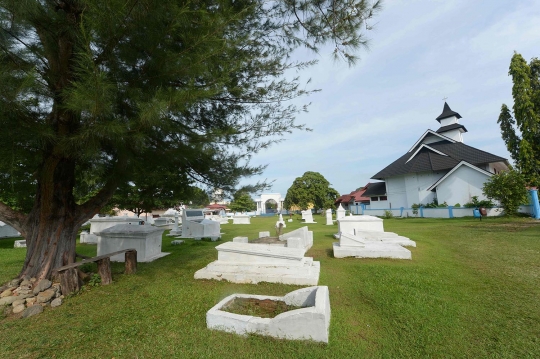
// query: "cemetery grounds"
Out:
[472,290]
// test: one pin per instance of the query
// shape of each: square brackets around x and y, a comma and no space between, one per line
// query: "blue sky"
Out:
[420,51]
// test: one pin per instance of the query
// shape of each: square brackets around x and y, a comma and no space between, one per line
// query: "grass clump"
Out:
[264,308]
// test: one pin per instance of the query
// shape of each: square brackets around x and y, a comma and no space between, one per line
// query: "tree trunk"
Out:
[51,227]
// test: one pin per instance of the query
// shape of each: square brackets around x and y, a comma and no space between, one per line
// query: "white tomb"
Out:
[310,322]
[194,225]
[98,224]
[176,231]
[364,237]
[329,220]
[299,238]
[307,216]
[241,219]
[254,263]
[340,212]
[8,231]
[145,239]
[20,243]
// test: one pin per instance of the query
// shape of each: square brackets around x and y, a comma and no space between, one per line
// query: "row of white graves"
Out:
[282,262]
[195,225]
[364,237]
[98,224]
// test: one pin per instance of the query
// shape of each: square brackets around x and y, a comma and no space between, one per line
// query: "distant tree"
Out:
[242,201]
[521,133]
[508,188]
[310,189]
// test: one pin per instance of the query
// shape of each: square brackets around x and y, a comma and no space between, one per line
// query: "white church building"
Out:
[438,166]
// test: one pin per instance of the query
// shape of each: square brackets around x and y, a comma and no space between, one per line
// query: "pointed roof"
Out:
[447,112]
[437,157]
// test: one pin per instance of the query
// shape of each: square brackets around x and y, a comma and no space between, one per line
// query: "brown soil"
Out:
[265,308]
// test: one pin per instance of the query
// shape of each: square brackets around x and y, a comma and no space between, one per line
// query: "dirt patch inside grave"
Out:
[263,308]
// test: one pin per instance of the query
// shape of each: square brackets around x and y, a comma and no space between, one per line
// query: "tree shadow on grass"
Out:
[6,243]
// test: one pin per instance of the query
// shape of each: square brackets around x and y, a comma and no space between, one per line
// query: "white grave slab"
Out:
[20,244]
[329,220]
[364,237]
[145,239]
[176,231]
[98,224]
[8,231]
[307,216]
[241,219]
[311,322]
[254,263]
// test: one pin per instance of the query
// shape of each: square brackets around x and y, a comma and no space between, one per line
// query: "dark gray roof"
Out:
[447,112]
[375,189]
[451,127]
[426,160]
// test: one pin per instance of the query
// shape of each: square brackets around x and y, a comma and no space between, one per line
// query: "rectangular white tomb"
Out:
[145,239]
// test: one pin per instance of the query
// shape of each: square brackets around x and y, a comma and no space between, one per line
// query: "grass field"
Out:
[472,290]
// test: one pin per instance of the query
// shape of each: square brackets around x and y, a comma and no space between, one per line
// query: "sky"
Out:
[420,52]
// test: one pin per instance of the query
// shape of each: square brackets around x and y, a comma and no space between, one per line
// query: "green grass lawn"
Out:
[472,290]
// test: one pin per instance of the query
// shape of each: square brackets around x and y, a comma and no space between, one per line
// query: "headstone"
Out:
[340,212]
[241,219]
[175,231]
[177,242]
[264,234]
[329,221]
[145,239]
[307,216]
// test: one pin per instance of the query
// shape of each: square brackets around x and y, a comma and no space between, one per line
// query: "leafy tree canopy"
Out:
[521,132]
[97,94]
[508,188]
[242,202]
[310,189]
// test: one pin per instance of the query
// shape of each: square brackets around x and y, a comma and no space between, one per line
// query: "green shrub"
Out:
[457,205]
[415,207]
[388,214]
[476,203]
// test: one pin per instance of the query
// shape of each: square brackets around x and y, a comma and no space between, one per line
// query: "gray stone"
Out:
[8,300]
[26,282]
[42,285]
[18,302]
[19,308]
[33,310]
[15,282]
[31,300]
[6,293]
[33,280]
[56,303]
[25,277]
[26,295]
[45,296]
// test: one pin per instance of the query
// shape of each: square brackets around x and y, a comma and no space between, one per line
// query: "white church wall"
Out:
[449,121]
[396,191]
[417,184]
[454,134]
[461,186]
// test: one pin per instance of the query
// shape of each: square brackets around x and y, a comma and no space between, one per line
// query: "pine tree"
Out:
[521,133]
[93,93]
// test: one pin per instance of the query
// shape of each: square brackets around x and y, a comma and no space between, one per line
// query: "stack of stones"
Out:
[29,296]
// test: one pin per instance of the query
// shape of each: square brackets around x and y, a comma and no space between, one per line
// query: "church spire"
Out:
[447,112]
